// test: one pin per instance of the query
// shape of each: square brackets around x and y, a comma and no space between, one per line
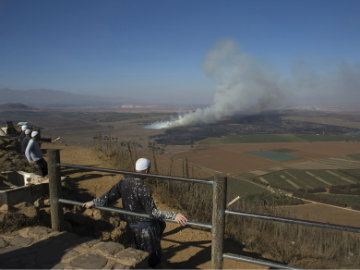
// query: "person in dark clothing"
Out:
[22,134]
[34,154]
[136,197]
[25,141]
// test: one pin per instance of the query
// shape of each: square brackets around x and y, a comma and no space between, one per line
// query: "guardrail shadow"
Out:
[202,256]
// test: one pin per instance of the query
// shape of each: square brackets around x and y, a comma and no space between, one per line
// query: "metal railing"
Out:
[130,213]
[218,212]
[199,181]
[57,215]
[296,221]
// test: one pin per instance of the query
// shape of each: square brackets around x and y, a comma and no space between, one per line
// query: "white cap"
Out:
[142,164]
[27,131]
[24,127]
[34,133]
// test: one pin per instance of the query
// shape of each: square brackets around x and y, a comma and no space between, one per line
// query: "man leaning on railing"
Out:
[136,197]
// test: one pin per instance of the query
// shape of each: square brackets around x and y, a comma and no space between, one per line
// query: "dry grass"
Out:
[296,245]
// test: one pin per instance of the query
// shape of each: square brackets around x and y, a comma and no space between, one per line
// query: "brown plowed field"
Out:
[236,158]
[324,213]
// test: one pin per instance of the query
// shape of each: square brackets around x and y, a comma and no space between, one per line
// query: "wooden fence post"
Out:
[218,221]
[55,189]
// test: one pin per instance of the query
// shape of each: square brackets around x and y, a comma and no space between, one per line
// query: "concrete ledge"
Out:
[29,194]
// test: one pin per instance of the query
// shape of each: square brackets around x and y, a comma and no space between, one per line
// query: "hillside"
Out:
[45,98]
[10,156]
[16,107]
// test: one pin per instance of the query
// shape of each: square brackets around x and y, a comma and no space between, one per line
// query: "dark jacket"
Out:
[136,197]
[24,144]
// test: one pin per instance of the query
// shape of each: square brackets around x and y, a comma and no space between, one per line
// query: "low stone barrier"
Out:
[40,247]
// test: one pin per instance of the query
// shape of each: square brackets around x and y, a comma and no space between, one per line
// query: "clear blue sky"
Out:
[153,50]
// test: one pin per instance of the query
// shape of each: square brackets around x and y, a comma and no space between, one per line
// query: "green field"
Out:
[341,199]
[301,179]
[237,187]
[84,116]
[354,174]
[271,138]
[332,179]
[355,156]
[257,138]
[312,184]
[273,155]
[284,150]
[251,192]
[328,138]
[305,181]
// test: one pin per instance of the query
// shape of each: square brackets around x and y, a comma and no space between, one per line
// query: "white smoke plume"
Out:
[244,85]
[241,84]
[339,85]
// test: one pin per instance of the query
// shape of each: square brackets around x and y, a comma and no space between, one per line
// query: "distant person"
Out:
[22,134]
[25,141]
[34,154]
[136,197]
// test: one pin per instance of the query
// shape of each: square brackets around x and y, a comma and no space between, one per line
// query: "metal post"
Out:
[55,189]
[218,221]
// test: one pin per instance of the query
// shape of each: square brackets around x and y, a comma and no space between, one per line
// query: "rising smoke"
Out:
[327,86]
[244,85]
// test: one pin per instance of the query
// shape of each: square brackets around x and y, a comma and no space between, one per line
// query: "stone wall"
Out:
[40,247]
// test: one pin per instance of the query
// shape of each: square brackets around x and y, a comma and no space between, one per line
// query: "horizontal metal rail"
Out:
[219,192]
[260,262]
[199,181]
[295,221]
[130,213]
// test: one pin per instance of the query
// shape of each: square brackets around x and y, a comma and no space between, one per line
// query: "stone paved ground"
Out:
[39,247]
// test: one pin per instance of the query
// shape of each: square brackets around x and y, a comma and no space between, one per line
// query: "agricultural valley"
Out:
[296,164]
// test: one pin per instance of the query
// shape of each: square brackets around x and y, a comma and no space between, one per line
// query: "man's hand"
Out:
[88,204]
[181,219]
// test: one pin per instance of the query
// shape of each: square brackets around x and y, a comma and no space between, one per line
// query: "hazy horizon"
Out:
[295,52]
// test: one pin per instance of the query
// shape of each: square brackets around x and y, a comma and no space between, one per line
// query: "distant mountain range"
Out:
[16,107]
[44,98]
